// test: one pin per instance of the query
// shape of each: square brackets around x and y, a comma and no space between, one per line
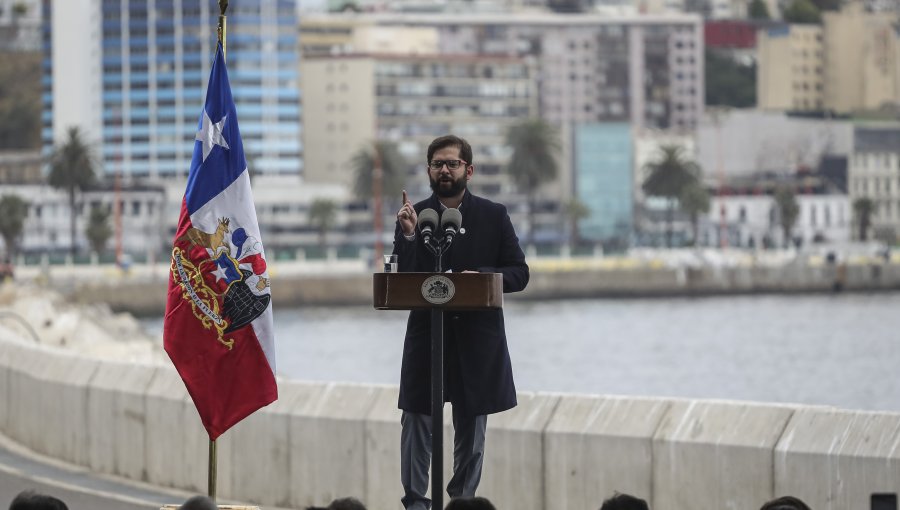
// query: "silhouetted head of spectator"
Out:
[785,503]
[30,500]
[475,503]
[346,504]
[199,503]
[624,502]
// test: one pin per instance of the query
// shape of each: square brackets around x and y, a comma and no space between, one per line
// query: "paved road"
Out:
[80,489]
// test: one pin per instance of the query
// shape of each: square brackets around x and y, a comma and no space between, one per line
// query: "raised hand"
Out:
[407,216]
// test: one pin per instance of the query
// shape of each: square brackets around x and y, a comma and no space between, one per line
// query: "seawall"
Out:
[552,452]
[142,291]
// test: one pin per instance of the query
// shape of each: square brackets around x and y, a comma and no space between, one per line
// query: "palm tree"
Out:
[788,210]
[393,170]
[694,201]
[72,169]
[322,215]
[98,230]
[13,211]
[534,145]
[575,211]
[863,208]
[668,176]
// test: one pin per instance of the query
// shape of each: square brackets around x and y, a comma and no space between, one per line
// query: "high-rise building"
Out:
[791,72]
[132,75]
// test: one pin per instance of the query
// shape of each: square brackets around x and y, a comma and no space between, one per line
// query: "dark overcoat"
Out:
[478,377]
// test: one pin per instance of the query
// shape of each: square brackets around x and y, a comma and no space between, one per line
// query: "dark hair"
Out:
[30,500]
[346,504]
[475,503]
[441,142]
[621,501]
[199,503]
[785,503]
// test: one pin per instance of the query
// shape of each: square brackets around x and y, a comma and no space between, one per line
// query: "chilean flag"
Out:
[218,324]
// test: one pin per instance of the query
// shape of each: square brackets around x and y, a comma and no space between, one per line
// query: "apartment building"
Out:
[848,64]
[863,59]
[791,72]
[874,173]
[132,75]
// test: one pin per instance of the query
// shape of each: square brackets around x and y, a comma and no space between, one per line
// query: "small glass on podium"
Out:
[390,263]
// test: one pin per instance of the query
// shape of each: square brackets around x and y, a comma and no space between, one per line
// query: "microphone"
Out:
[428,222]
[450,222]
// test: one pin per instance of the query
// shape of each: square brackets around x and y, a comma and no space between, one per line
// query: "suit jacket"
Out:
[478,377]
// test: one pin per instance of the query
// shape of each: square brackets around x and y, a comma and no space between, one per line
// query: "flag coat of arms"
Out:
[218,323]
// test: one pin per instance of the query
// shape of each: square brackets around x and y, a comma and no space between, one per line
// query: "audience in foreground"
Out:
[341,504]
[620,501]
[474,503]
[785,503]
[30,500]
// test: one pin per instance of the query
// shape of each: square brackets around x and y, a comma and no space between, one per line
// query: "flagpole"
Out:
[223,6]
[212,469]
[211,481]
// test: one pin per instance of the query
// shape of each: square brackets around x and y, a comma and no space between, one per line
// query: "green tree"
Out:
[668,177]
[575,211]
[802,11]
[13,211]
[694,200]
[788,211]
[729,83]
[393,170]
[863,208]
[98,230]
[534,144]
[323,215]
[72,170]
[759,10]
[20,100]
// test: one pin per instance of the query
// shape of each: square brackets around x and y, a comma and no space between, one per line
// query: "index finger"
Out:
[405,200]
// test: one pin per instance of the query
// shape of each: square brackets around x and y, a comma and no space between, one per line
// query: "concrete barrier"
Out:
[117,419]
[835,459]
[327,441]
[595,446]
[321,441]
[382,453]
[716,455]
[514,453]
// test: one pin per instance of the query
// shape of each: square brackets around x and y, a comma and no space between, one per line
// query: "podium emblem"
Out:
[438,289]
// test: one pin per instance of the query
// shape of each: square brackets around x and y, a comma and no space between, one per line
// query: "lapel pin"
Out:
[462,230]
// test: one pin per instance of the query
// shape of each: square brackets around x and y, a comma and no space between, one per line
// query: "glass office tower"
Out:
[144,64]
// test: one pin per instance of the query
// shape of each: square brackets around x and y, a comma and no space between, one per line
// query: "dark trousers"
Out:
[415,457]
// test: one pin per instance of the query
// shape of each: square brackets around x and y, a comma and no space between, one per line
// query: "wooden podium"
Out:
[437,292]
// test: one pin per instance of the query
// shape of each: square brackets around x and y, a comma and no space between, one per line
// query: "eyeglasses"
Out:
[452,164]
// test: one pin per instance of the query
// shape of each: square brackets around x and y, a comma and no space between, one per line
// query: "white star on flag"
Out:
[211,134]
[220,272]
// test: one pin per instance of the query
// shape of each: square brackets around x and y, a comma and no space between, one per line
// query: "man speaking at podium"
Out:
[477,370]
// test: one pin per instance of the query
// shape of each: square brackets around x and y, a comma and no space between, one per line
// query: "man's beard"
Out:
[444,191]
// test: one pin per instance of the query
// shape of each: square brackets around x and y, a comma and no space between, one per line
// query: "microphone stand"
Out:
[437,247]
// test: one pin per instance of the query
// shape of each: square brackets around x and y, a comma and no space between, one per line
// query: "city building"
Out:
[132,75]
[747,210]
[735,142]
[791,72]
[849,64]
[20,25]
[47,229]
[874,173]
[604,181]
[863,59]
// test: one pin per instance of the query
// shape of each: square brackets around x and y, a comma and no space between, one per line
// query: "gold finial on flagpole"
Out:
[223,6]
